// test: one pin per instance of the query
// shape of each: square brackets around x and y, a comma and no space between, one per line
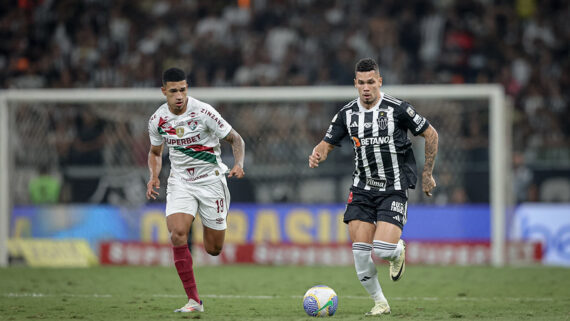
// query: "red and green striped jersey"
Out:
[192,139]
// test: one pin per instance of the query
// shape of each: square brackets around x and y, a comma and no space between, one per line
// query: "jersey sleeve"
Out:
[155,137]
[218,125]
[337,130]
[415,122]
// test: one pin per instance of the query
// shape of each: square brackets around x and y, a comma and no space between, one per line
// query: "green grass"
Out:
[274,293]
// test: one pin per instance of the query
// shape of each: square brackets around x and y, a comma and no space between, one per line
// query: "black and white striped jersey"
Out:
[384,159]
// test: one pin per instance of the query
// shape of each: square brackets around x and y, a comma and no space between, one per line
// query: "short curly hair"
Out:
[366,64]
[173,74]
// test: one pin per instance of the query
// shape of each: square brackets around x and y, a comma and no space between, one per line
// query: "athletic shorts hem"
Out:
[354,212]
[215,226]
[388,219]
[174,212]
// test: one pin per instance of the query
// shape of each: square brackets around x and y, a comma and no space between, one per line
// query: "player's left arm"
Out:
[431,141]
[238,149]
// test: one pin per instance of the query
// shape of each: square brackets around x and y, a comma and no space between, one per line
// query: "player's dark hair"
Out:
[366,64]
[173,74]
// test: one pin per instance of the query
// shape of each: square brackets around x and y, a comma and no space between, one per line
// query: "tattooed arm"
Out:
[431,138]
[238,149]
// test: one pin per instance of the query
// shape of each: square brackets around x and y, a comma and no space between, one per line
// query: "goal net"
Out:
[96,143]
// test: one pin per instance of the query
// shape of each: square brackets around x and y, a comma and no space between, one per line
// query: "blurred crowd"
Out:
[521,44]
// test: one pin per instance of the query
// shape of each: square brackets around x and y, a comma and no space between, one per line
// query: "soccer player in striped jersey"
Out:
[191,130]
[385,168]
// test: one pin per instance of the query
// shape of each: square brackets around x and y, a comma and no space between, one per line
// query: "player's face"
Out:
[175,92]
[368,84]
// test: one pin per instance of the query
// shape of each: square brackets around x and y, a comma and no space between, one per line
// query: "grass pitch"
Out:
[275,293]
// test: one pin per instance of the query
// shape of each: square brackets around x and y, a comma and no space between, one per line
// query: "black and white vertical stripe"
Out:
[377,162]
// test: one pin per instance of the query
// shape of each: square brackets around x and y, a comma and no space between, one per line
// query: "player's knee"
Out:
[214,250]
[179,237]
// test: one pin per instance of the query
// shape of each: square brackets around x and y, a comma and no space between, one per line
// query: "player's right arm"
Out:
[335,133]
[154,167]
[320,153]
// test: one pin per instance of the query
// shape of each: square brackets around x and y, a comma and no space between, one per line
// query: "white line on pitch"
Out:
[262,297]
[269,297]
[40,295]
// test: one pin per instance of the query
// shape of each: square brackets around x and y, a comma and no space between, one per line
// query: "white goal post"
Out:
[499,149]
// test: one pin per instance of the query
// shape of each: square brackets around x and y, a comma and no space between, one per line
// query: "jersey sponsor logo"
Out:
[410,111]
[380,183]
[219,220]
[382,121]
[367,125]
[192,114]
[192,179]
[354,124]
[397,207]
[421,124]
[184,141]
[193,124]
[214,117]
[397,218]
[356,142]
[417,119]
[349,198]
[190,171]
[179,131]
[375,140]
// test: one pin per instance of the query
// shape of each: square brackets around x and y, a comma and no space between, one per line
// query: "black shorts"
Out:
[373,206]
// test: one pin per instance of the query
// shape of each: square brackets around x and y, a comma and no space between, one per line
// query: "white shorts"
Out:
[211,201]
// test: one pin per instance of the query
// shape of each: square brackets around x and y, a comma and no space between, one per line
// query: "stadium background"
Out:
[97,193]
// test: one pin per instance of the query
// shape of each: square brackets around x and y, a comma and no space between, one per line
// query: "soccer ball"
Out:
[320,301]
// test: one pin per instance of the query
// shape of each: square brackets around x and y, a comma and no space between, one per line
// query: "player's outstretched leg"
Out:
[395,253]
[183,263]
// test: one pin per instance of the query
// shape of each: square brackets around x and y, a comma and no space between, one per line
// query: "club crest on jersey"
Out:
[179,131]
[193,124]
[382,121]
[190,171]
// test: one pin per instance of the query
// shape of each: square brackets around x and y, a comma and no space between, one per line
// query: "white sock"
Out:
[387,251]
[366,270]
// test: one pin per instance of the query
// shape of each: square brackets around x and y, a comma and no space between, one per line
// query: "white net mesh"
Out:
[99,150]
